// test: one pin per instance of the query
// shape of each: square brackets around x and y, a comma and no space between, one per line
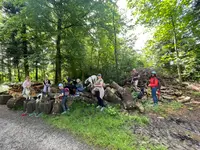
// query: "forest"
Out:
[78,38]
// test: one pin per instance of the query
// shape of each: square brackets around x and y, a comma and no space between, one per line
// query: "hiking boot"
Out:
[63,112]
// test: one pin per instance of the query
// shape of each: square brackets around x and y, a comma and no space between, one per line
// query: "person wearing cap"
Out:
[154,83]
[63,97]
[135,77]
[99,87]
[79,85]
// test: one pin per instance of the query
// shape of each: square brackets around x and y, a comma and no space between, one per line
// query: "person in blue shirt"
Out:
[63,96]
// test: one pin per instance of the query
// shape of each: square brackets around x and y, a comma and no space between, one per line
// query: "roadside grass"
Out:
[163,109]
[18,108]
[109,129]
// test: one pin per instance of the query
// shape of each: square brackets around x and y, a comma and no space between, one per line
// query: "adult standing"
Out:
[135,77]
[47,86]
[154,84]
[99,87]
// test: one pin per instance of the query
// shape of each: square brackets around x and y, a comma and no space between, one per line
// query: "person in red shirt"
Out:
[154,83]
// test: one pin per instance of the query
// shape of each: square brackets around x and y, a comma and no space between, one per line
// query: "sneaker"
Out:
[38,115]
[102,108]
[98,106]
[24,114]
[64,112]
[31,114]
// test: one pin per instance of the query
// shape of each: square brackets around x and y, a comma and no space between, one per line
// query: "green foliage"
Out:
[108,129]
[174,46]
[163,109]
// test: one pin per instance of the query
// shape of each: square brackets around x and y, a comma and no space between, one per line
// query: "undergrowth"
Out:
[109,129]
[163,109]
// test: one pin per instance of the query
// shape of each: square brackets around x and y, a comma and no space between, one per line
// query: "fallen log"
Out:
[15,102]
[127,99]
[110,96]
[4,99]
[184,99]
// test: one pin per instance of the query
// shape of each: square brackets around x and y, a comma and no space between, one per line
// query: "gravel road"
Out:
[30,133]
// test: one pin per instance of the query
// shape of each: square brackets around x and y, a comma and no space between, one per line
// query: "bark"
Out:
[18,73]
[110,96]
[127,99]
[9,70]
[58,54]
[176,50]
[36,71]
[115,46]
[25,50]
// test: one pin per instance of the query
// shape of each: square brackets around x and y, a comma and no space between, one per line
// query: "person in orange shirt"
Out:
[154,83]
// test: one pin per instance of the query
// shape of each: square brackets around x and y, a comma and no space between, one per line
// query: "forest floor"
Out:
[22,133]
[175,129]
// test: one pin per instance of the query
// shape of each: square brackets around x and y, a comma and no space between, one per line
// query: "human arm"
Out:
[99,84]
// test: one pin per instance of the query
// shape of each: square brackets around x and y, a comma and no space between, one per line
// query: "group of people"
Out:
[74,87]
[97,90]
[153,84]
[70,87]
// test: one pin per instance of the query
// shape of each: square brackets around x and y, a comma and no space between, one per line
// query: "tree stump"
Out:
[15,102]
[4,99]
[57,108]
[48,106]
[31,106]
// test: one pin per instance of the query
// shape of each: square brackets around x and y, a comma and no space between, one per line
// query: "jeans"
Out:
[154,96]
[63,103]
[80,89]
[100,101]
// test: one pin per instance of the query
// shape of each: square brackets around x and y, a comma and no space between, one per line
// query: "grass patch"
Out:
[108,129]
[18,108]
[164,109]
[194,93]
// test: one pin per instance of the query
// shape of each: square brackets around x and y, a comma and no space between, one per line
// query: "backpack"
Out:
[159,84]
[66,91]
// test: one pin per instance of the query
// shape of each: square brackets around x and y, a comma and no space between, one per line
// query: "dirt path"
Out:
[22,133]
[180,131]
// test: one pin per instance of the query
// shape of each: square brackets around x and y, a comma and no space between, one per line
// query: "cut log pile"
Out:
[171,90]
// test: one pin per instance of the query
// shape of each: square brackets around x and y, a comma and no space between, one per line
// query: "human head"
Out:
[99,76]
[153,73]
[60,86]
[27,78]
[134,70]
[78,80]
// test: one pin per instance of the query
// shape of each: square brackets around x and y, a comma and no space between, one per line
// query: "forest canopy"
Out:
[78,38]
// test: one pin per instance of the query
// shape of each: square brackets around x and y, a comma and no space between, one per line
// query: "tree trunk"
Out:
[115,47]
[9,70]
[58,55]
[126,96]
[176,50]
[36,71]
[18,73]
[25,50]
